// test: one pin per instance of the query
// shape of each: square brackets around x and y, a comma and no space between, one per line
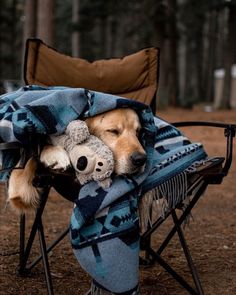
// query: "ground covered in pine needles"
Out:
[211,234]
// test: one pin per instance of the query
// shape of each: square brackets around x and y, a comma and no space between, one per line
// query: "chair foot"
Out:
[23,272]
[146,261]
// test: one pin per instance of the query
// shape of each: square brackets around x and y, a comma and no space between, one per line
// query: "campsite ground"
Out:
[211,234]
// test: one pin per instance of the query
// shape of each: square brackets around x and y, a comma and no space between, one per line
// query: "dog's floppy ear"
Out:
[93,123]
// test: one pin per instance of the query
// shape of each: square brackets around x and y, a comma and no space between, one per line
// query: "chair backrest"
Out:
[134,76]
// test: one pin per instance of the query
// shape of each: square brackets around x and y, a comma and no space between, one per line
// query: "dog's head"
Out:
[119,130]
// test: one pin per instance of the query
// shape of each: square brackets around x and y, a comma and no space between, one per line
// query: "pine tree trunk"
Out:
[103,36]
[173,69]
[162,43]
[193,73]
[210,56]
[30,22]
[111,35]
[1,51]
[229,56]
[75,35]
[45,21]
[30,19]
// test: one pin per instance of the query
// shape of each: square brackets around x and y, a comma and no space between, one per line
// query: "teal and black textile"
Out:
[105,222]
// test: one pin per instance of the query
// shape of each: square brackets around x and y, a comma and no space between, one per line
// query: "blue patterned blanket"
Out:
[104,222]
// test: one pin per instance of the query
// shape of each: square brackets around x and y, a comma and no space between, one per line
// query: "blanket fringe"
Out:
[162,198]
[95,290]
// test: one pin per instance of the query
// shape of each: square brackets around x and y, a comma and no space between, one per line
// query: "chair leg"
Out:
[176,228]
[186,212]
[161,220]
[38,259]
[148,240]
[45,258]
[25,252]
[187,254]
[171,271]
[22,238]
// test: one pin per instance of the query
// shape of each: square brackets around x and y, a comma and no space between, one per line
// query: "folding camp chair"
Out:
[212,172]
[134,77]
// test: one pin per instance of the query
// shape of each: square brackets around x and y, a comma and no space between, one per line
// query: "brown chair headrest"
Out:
[134,76]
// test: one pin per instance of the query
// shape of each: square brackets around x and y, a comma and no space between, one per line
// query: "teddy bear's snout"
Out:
[99,167]
[82,163]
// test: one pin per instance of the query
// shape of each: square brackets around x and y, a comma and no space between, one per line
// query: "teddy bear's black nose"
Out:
[82,163]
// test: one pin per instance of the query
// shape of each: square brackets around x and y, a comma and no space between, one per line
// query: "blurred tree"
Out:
[210,53]
[63,26]
[229,54]
[173,45]
[162,16]
[30,20]
[10,39]
[189,33]
[75,38]
[45,20]
[192,17]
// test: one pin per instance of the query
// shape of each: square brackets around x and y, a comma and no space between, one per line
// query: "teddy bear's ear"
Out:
[78,131]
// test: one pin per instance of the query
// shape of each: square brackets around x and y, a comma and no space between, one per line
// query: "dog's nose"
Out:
[138,159]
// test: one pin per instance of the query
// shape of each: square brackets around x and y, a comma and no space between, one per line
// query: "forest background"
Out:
[195,39]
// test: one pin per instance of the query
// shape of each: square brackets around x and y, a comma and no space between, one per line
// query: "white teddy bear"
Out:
[90,157]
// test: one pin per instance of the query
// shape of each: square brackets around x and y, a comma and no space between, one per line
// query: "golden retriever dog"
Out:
[118,129]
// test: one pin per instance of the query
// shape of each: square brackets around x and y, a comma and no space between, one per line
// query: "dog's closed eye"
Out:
[113,131]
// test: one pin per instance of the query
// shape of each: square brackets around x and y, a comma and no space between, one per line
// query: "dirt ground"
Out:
[211,234]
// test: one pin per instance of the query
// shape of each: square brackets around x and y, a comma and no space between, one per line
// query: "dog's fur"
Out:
[118,129]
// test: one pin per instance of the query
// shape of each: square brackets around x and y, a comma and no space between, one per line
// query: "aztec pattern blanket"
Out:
[104,222]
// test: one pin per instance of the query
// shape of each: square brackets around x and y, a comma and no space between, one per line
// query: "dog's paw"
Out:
[55,157]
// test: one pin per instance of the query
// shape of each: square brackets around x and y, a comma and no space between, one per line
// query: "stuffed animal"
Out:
[90,157]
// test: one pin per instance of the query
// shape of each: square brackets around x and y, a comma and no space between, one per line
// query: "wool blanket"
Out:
[104,222]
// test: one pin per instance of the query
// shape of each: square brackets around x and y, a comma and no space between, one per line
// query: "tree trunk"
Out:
[75,35]
[1,50]
[208,71]
[30,19]
[45,21]
[230,49]
[193,74]
[12,66]
[111,36]
[103,37]
[172,69]
[162,43]
[190,76]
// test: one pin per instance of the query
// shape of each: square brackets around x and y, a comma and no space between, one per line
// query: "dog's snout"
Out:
[138,159]
[82,163]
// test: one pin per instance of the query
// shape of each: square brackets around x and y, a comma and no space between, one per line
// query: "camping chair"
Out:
[136,77]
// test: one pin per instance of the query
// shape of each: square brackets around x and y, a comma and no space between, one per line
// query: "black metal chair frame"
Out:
[209,175]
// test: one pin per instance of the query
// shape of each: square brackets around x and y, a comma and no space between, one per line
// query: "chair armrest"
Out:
[10,145]
[203,123]
[229,132]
